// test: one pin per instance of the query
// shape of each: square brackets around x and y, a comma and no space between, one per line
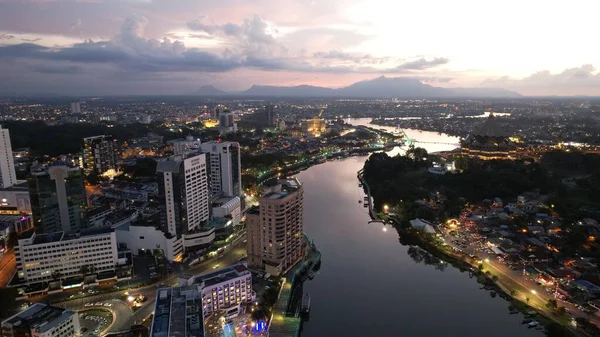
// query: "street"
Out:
[514,280]
[8,265]
[125,315]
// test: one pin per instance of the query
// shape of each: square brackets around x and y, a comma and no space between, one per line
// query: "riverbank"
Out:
[466,263]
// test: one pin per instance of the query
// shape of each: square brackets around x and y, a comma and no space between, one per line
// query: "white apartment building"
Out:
[185,190]
[41,320]
[53,256]
[225,169]
[223,289]
[8,176]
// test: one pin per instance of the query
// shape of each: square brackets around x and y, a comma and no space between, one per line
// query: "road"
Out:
[125,315]
[515,279]
[8,265]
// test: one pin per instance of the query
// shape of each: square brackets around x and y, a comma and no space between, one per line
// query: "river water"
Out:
[368,284]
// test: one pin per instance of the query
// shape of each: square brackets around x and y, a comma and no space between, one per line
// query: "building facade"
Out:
[178,312]
[184,192]
[58,198]
[223,289]
[99,154]
[225,168]
[57,256]
[190,144]
[270,118]
[275,230]
[8,176]
[41,320]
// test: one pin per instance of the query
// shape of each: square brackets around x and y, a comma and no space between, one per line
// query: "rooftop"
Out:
[490,128]
[222,275]
[178,312]
[41,238]
[39,317]
[281,188]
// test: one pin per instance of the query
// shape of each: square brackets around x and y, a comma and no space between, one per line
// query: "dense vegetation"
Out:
[396,180]
[54,140]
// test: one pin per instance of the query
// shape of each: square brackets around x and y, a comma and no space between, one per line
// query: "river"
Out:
[368,284]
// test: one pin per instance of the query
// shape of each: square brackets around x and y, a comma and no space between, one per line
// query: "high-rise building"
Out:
[270,118]
[41,320]
[225,168]
[219,109]
[89,251]
[58,198]
[75,107]
[275,238]
[8,177]
[99,154]
[183,186]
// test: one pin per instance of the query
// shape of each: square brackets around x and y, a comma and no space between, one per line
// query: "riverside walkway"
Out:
[285,321]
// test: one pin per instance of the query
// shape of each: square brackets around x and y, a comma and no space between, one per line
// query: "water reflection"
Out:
[369,283]
[420,255]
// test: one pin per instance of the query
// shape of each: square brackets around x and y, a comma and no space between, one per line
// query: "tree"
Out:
[552,304]
[495,278]
[85,269]
[480,267]
[513,292]
[527,299]
[561,310]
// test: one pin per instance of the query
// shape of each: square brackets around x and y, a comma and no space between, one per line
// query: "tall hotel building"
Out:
[183,186]
[225,168]
[275,228]
[8,177]
[58,198]
[99,154]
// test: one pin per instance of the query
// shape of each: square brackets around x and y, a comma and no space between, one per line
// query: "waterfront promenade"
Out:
[285,321]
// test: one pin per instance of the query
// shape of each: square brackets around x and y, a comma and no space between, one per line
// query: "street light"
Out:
[487,260]
[533,291]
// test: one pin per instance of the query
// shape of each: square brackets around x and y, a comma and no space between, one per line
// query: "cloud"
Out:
[584,79]
[31,40]
[6,37]
[422,63]
[353,57]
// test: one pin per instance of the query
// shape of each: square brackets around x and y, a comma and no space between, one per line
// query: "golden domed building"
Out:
[488,142]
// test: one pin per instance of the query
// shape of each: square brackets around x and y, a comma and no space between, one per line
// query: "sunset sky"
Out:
[176,46]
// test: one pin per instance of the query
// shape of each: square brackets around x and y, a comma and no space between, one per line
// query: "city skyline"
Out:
[157,46]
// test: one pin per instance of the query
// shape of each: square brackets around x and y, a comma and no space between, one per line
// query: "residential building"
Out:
[99,154]
[270,118]
[75,107]
[141,237]
[190,144]
[8,177]
[41,320]
[58,256]
[219,109]
[224,289]
[275,228]
[184,190]
[225,168]
[178,312]
[58,198]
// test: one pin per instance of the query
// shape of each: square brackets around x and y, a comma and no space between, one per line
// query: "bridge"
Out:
[411,141]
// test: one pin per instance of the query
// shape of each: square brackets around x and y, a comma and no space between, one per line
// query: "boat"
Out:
[359,185]
[311,275]
[533,324]
[527,321]
[360,201]
[493,294]
[305,303]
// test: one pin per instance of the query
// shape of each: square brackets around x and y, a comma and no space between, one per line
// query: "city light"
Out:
[130,298]
[487,260]
[533,291]
[385,229]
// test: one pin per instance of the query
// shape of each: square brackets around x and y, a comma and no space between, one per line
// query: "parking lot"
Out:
[94,321]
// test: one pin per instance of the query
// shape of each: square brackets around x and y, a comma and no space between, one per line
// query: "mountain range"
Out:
[381,87]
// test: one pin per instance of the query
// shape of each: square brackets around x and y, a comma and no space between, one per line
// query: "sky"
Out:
[104,47]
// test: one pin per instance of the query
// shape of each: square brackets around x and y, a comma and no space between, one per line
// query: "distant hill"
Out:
[209,90]
[381,87]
